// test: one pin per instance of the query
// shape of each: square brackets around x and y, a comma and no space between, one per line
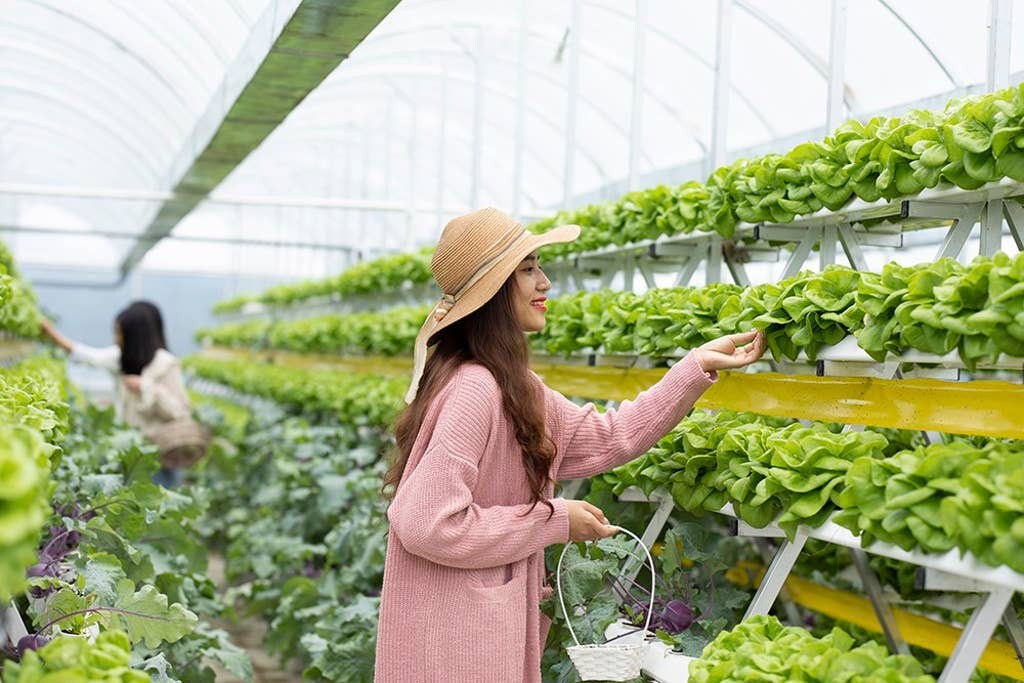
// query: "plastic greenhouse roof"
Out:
[109,94]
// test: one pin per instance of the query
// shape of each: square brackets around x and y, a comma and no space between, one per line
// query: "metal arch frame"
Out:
[697,57]
[36,53]
[74,107]
[146,65]
[920,39]
[586,49]
[83,93]
[200,25]
[158,101]
[55,132]
[445,74]
[142,19]
[403,54]
[310,133]
[817,63]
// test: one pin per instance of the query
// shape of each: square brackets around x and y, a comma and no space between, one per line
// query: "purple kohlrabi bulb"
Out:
[677,616]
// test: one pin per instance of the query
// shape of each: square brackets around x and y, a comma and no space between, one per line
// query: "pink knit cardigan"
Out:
[464,573]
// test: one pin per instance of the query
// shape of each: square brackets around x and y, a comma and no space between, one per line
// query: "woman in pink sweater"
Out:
[478,452]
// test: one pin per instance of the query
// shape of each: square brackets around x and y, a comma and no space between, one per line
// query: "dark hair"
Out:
[158,319]
[492,337]
[140,338]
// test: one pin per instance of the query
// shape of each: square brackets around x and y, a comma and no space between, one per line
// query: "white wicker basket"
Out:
[610,661]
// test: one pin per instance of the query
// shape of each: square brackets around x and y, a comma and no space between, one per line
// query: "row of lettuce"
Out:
[19,312]
[973,141]
[300,512]
[976,310]
[107,571]
[879,485]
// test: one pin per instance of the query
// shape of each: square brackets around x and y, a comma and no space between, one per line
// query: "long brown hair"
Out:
[490,336]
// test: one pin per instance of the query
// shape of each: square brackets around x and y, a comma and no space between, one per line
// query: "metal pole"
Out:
[575,43]
[478,119]
[520,141]
[1000,20]
[441,151]
[413,158]
[720,108]
[636,116]
[836,66]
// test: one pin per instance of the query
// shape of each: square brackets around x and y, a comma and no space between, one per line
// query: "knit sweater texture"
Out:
[464,573]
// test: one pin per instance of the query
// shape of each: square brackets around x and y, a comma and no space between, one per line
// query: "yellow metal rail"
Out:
[988,408]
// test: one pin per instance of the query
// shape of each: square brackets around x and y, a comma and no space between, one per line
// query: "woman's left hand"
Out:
[132,383]
[731,351]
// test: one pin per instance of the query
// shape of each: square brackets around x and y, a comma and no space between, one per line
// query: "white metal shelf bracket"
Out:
[1015,219]
[775,576]
[976,635]
[883,612]
[801,252]
[12,628]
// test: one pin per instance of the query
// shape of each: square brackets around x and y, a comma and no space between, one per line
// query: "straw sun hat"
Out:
[474,257]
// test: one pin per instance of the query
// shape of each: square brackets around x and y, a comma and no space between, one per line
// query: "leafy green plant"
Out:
[79,659]
[360,399]
[19,312]
[762,649]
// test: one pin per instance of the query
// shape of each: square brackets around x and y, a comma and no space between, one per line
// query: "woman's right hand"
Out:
[587,522]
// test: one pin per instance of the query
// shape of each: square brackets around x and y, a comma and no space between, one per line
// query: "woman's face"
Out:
[531,286]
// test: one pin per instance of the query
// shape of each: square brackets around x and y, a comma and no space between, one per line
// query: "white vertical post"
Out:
[478,119]
[364,172]
[836,67]
[520,134]
[347,186]
[442,145]
[575,40]
[720,107]
[1000,19]
[636,115]
[413,158]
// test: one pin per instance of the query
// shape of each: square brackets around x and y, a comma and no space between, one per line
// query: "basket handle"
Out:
[561,597]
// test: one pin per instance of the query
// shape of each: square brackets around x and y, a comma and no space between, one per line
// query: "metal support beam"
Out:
[651,534]
[636,112]
[975,637]
[991,227]
[476,163]
[442,148]
[688,270]
[1014,631]
[775,577]
[114,234]
[801,252]
[572,95]
[766,549]
[836,66]
[737,270]
[520,134]
[878,602]
[1015,219]
[720,106]
[12,628]
[713,273]
[1000,23]
[648,275]
[258,95]
[827,249]
[956,237]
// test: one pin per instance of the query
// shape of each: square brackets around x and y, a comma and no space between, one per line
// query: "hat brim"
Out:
[484,289]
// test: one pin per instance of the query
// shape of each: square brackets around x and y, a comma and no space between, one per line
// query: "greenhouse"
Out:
[447,341]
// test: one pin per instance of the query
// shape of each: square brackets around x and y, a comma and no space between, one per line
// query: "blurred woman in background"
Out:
[149,390]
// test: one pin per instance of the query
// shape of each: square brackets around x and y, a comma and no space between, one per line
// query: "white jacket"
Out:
[161,397]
